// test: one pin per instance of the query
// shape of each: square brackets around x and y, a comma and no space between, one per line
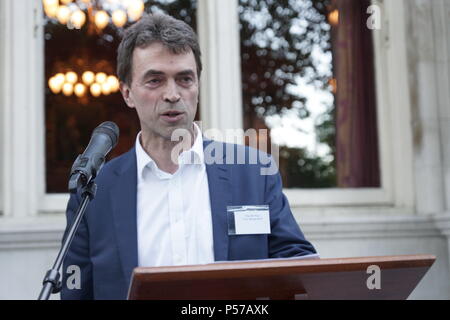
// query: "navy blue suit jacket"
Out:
[105,246]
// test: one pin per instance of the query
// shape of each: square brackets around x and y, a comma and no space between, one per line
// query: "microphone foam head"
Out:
[110,129]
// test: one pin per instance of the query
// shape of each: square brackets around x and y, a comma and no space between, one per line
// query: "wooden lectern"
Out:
[283,279]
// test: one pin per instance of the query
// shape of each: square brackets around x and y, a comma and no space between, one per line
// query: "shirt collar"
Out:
[194,155]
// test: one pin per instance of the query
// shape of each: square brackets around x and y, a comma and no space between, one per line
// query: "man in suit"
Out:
[162,204]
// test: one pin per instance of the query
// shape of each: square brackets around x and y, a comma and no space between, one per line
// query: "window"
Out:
[23,115]
[308,76]
[84,59]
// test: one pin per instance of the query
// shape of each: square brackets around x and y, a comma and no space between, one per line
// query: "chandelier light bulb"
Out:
[101,19]
[51,7]
[49,3]
[80,90]
[134,16]
[66,1]
[106,88]
[63,14]
[136,5]
[78,18]
[67,89]
[51,12]
[135,9]
[71,77]
[88,77]
[100,77]
[113,83]
[333,17]
[96,90]
[60,78]
[119,18]
[54,85]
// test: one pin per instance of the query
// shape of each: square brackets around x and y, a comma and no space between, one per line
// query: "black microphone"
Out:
[87,165]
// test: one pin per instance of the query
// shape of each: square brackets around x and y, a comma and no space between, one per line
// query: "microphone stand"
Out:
[52,283]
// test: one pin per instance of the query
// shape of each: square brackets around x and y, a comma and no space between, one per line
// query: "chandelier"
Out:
[75,13]
[72,83]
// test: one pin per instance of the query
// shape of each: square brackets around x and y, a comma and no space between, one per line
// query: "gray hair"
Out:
[174,34]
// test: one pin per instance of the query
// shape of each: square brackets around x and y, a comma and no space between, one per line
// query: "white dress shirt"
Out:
[173,210]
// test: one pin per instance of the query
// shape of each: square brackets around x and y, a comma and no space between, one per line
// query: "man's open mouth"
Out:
[172,113]
[172,116]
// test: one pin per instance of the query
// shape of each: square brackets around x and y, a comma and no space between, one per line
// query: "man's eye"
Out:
[153,83]
[187,80]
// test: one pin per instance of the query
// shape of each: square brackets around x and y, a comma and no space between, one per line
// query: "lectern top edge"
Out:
[425,260]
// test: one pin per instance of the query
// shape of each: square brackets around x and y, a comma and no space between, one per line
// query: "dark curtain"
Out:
[357,157]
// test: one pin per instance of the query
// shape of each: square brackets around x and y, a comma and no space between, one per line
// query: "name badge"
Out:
[248,220]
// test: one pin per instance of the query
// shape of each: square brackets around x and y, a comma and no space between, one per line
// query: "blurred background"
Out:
[355,94]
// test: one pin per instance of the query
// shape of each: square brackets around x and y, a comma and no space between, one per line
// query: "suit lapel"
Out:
[123,196]
[220,196]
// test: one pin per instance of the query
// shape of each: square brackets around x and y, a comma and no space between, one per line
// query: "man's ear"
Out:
[126,94]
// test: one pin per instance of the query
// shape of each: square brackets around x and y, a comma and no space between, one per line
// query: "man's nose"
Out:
[171,93]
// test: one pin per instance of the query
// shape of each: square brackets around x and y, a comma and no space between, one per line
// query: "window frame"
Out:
[395,140]
[22,118]
[2,94]
[22,171]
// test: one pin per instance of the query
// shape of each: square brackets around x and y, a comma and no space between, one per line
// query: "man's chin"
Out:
[175,133]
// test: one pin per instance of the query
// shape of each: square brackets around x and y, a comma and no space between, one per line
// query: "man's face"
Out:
[164,89]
